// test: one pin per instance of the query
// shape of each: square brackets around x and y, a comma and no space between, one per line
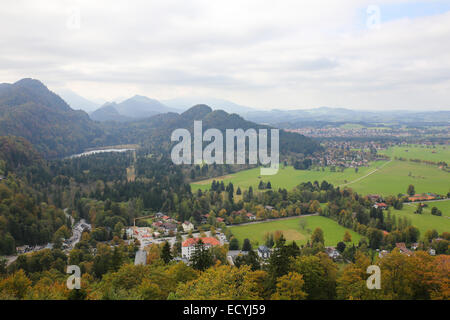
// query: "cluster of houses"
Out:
[401,246]
[423,197]
[248,215]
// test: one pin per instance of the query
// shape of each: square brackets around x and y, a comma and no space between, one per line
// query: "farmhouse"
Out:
[251,216]
[402,247]
[380,205]
[188,246]
[422,197]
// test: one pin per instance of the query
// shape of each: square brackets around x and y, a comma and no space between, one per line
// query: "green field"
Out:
[426,221]
[333,232]
[287,177]
[436,154]
[395,177]
[390,179]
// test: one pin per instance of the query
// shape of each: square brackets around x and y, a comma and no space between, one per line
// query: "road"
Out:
[77,231]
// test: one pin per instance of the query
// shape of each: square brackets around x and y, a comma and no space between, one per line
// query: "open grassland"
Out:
[385,178]
[292,231]
[426,221]
[288,177]
[436,154]
[395,177]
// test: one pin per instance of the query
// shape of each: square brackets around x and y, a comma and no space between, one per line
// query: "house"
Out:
[157,224]
[220,220]
[422,197]
[169,226]
[380,205]
[374,197]
[264,252]
[432,252]
[251,216]
[187,226]
[2,177]
[233,254]
[270,208]
[402,247]
[165,217]
[159,215]
[383,253]
[332,252]
[188,246]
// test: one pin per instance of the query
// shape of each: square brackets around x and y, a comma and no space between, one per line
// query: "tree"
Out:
[246,246]
[234,244]
[430,235]
[221,283]
[201,258]
[289,287]
[347,236]
[166,255]
[411,191]
[317,236]
[302,222]
[341,246]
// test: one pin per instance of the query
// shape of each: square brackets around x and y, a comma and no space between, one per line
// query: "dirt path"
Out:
[275,219]
[366,175]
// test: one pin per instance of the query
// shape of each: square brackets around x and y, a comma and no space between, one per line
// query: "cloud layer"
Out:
[266,54]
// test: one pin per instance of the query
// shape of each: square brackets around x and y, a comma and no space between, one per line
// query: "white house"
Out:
[187,226]
[263,252]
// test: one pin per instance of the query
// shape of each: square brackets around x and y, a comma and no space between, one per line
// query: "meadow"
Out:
[385,178]
[426,221]
[292,231]
[430,153]
[287,177]
[396,176]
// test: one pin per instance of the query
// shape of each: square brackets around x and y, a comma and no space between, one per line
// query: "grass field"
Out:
[333,232]
[439,153]
[426,221]
[395,177]
[287,177]
[391,179]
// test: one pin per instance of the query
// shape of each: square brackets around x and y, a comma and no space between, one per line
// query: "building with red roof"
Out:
[188,246]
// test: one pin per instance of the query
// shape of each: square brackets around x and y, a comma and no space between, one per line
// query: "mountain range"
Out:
[297,118]
[30,110]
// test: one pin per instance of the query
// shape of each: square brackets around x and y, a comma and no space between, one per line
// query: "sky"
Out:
[283,54]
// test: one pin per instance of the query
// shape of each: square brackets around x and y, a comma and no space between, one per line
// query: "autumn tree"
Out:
[289,287]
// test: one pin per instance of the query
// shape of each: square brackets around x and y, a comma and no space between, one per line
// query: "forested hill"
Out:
[155,132]
[29,110]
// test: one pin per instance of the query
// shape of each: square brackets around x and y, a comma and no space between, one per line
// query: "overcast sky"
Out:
[265,54]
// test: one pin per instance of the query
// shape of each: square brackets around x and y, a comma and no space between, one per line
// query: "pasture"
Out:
[426,221]
[292,231]
[380,177]
[422,152]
